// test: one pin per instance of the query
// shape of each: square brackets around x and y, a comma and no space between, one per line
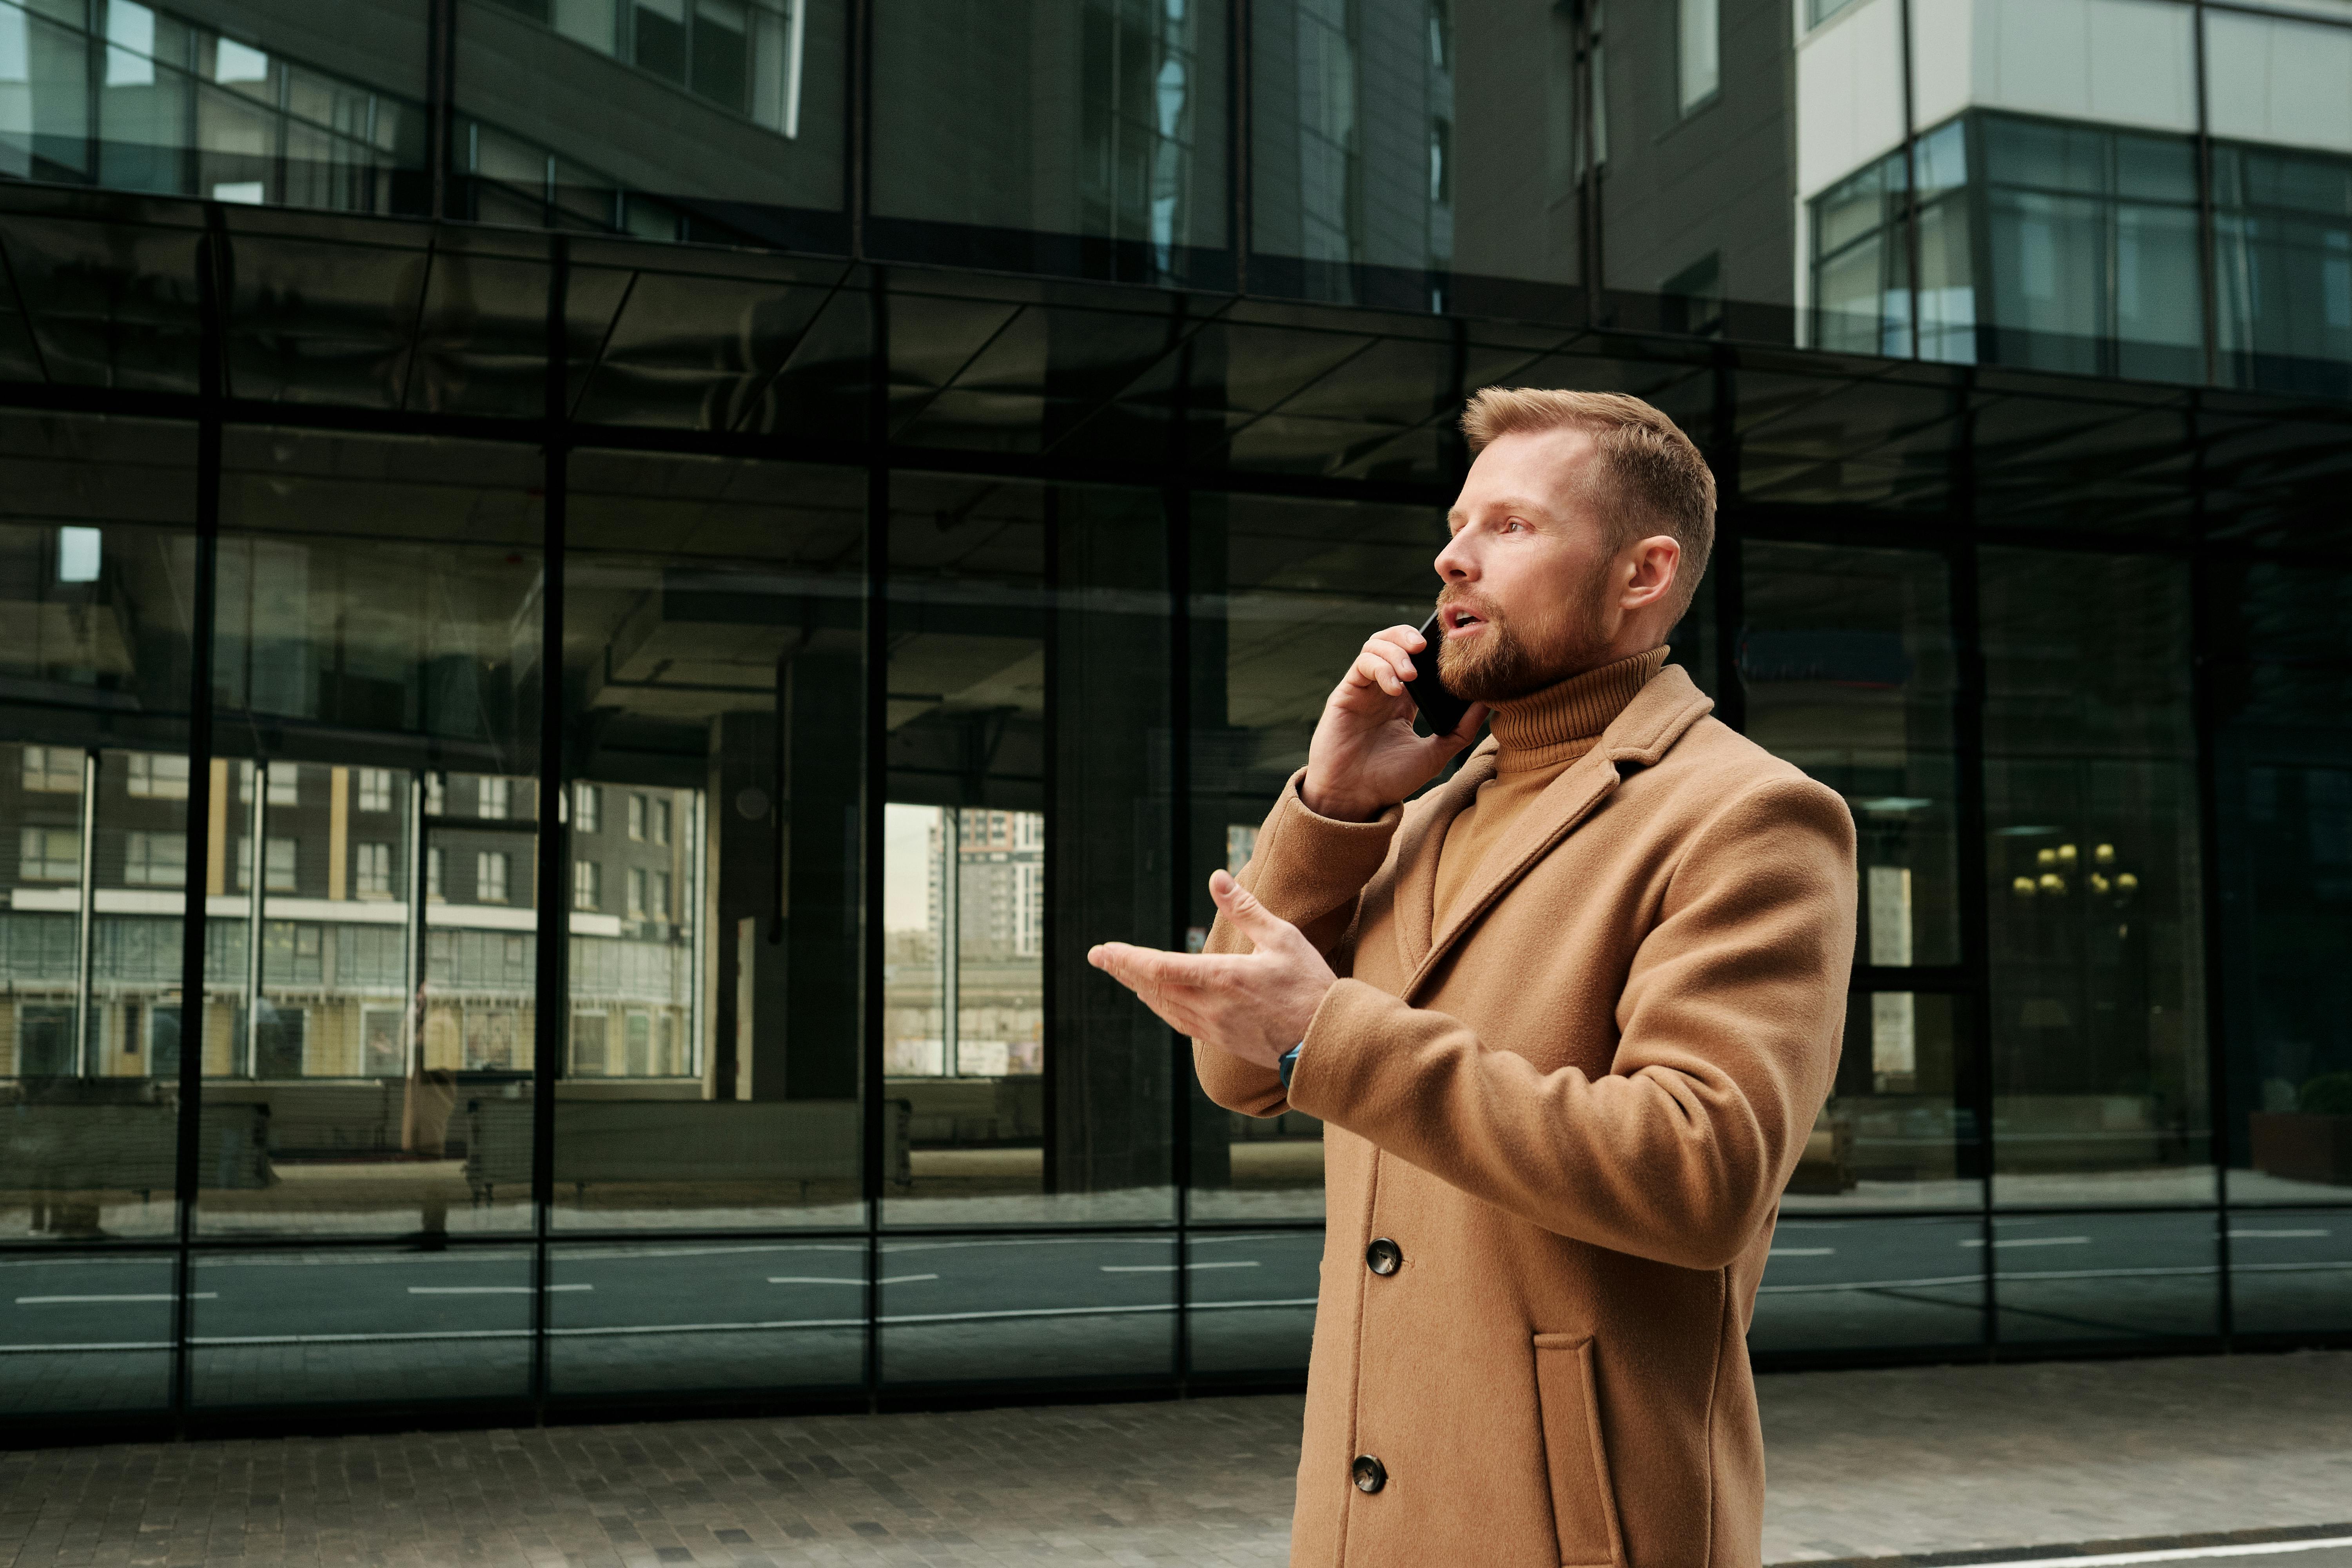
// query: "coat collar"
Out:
[1658,716]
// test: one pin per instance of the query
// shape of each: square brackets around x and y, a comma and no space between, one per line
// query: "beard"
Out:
[1509,660]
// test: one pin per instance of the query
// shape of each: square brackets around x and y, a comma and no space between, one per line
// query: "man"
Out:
[1567,1019]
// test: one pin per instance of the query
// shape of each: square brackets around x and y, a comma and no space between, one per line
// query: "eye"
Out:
[1515,525]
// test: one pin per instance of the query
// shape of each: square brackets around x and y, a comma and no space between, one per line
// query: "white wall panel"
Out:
[1849,94]
[2279,82]
[2118,62]
[1943,50]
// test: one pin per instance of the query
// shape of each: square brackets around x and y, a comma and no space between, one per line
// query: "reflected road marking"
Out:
[2269,1234]
[1168,1267]
[2031,1241]
[816,1279]
[43,1301]
[486,1289]
[1804,1251]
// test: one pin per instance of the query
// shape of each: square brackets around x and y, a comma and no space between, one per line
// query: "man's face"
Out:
[1527,573]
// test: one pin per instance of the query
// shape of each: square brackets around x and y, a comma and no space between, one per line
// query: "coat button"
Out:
[1370,1473]
[1383,1256]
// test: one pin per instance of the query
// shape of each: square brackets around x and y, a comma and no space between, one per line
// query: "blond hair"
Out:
[1647,477]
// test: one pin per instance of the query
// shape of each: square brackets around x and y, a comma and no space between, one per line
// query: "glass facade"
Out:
[606,596]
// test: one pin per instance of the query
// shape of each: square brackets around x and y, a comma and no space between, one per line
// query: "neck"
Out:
[1560,722]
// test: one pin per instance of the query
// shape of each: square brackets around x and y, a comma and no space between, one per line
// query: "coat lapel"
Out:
[1417,873]
[1655,718]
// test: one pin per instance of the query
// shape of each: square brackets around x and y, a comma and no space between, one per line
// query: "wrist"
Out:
[1337,805]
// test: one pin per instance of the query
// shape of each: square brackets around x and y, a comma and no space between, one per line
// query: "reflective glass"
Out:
[2092,239]
[1396,142]
[1871,1284]
[1250,1300]
[1034,1308]
[2106,1277]
[1897,1130]
[715,121]
[1847,664]
[1284,594]
[375,667]
[273,105]
[2097,1028]
[381,1327]
[715,651]
[2288,1272]
[85,1335]
[1027,695]
[1106,158]
[735,1319]
[2284,812]
[97,568]
[2283,255]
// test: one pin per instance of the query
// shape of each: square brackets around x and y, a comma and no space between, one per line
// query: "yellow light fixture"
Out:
[2105,854]
[2053,884]
[2022,887]
[2046,857]
[2066,856]
[2127,883]
[2099,884]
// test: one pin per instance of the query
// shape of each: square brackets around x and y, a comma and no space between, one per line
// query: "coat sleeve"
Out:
[1310,870]
[1729,1031]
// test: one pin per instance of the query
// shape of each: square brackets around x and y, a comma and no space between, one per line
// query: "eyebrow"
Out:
[1453,518]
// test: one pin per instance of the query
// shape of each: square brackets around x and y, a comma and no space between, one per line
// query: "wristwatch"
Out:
[1288,1064]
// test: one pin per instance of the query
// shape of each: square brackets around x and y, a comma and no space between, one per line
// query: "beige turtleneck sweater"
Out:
[1535,739]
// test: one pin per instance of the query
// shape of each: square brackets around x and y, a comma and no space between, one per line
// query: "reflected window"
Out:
[1698,52]
[2283,254]
[963,919]
[372,870]
[149,776]
[490,867]
[49,854]
[587,885]
[53,770]
[374,789]
[587,808]
[156,859]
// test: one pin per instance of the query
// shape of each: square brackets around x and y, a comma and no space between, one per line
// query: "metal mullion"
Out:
[554,879]
[88,1054]
[1968,774]
[2204,615]
[197,826]
[874,793]
[1177,521]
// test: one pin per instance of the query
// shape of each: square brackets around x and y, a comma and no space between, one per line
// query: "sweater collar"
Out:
[1563,721]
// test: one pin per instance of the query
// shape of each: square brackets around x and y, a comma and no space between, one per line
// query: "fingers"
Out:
[1383,663]
[1167,982]
[1252,919]
[1464,732]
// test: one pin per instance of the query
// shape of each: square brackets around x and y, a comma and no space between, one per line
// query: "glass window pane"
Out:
[1284,594]
[729,1319]
[278,1329]
[1836,1285]
[1395,142]
[1848,668]
[1896,1130]
[375,672]
[2097,1026]
[1028,679]
[716,637]
[1115,133]
[85,1335]
[713,122]
[1250,1300]
[2288,1272]
[2106,1277]
[1034,1309]
[97,561]
[298,110]
[2283,752]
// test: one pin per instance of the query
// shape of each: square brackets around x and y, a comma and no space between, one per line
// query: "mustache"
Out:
[1462,598]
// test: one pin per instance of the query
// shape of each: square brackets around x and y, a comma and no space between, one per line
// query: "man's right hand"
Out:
[1365,757]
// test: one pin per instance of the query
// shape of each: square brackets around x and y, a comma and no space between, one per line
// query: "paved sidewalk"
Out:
[1862,1464]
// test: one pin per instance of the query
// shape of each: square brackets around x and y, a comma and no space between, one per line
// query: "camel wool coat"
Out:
[1571,1110]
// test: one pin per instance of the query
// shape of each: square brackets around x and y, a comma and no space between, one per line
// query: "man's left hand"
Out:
[1257,1004]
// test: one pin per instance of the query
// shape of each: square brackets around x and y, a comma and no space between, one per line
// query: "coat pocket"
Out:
[1583,1504]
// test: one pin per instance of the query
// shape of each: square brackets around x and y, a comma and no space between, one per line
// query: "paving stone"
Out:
[1862,1464]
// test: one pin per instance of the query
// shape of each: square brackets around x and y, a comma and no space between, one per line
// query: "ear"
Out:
[1650,564]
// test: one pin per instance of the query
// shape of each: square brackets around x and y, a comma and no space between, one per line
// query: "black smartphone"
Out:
[1440,707]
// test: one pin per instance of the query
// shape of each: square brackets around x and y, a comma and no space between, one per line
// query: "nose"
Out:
[1452,564]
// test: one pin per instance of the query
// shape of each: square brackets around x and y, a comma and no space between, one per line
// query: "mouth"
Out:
[1459,622]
